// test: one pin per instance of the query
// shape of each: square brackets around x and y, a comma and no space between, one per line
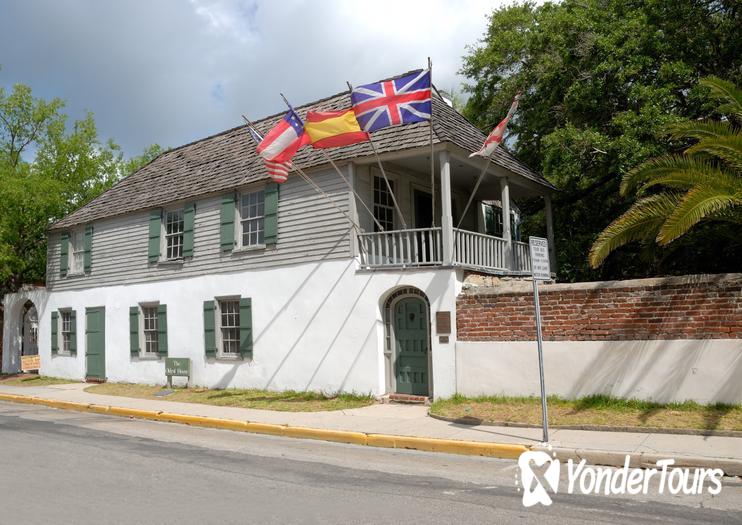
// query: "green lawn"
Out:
[288,401]
[593,410]
[33,380]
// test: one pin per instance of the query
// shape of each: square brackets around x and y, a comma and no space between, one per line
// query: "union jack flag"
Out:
[402,100]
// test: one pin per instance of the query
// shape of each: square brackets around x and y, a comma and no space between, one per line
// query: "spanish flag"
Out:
[333,129]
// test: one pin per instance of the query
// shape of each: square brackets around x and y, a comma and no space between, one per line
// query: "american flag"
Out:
[278,170]
[402,100]
[495,137]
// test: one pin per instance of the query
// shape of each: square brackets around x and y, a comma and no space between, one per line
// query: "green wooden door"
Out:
[95,342]
[411,342]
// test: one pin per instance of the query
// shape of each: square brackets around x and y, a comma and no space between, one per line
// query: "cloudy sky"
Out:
[172,71]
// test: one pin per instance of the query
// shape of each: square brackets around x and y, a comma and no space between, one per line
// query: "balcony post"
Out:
[446,217]
[550,232]
[506,235]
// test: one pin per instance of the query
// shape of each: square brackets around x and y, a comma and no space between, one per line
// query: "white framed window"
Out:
[149,331]
[229,327]
[251,207]
[76,252]
[65,334]
[383,204]
[174,226]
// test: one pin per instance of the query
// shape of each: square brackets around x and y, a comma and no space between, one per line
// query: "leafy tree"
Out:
[47,169]
[703,184]
[601,80]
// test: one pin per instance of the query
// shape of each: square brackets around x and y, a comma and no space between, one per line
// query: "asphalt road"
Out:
[67,467]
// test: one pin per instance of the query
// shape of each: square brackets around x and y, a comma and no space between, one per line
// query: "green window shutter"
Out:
[209,332]
[226,223]
[73,332]
[155,223]
[162,330]
[55,338]
[189,215]
[134,330]
[270,225]
[64,246]
[245,326]
[88,247]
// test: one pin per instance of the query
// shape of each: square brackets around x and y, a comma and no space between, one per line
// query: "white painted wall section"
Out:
[316,326]
[705,371]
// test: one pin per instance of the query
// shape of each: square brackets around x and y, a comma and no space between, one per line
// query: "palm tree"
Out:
[676,192]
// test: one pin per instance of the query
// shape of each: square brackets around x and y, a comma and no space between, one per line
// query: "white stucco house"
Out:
[199,255]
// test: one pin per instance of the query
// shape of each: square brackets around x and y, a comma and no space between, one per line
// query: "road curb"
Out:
[450,446]
[731,467]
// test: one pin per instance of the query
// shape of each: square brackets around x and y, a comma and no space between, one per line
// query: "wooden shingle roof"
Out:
[227,160]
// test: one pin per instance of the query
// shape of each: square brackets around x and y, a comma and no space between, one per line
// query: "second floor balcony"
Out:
[436,228]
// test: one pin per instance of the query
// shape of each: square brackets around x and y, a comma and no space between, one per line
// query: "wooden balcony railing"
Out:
[416,247]
[478,250]
[423,247]
[521,257]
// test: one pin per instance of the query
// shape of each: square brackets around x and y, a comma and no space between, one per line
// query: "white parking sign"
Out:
[539,249]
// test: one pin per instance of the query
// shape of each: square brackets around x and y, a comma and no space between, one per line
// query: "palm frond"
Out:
[640,222]
[698,204]
[676,171]
[728,148]
[726,91]
[700,129]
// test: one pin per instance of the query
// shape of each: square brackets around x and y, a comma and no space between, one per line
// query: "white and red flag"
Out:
[494,139]
[280,145]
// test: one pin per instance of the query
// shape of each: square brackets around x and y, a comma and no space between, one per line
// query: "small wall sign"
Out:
[443,323]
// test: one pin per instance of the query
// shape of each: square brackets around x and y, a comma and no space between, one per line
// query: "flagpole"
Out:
[350,186]
[383,173]
[432,158]
[347,182]
[313,184]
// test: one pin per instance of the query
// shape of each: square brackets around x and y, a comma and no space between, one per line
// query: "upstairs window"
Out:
[77,252]
[252,218]
[174,226]
[229,326]
[383,204]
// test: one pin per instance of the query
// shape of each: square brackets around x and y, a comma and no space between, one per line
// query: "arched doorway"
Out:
[407,340]
[30,330]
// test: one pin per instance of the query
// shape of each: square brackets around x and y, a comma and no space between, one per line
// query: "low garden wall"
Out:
[668,339]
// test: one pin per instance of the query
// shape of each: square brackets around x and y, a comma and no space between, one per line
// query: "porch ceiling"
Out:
[464,173]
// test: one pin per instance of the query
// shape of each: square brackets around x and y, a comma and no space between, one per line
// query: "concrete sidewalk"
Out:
[402,420]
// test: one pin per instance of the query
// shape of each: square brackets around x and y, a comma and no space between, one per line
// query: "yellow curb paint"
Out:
[450,446]
[202,421]
[265,428]
[339,436]
[380,440]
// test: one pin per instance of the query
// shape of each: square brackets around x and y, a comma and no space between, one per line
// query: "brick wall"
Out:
[688,307]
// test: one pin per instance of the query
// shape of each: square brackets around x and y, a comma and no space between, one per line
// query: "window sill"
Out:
[64,354]
[148,358]
[171,262]
[75,275]
[230,357]
[244,249]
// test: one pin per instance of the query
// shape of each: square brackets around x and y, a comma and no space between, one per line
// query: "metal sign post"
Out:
[540,270]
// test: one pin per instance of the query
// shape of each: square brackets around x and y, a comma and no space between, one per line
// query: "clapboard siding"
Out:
[309,229]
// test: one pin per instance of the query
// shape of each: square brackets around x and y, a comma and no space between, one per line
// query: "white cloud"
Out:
[171,72]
